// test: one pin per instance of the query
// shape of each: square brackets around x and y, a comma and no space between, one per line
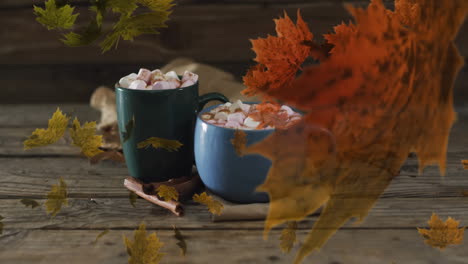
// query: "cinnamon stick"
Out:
[137,187]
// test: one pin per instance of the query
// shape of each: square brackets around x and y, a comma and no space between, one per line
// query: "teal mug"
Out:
[165,114]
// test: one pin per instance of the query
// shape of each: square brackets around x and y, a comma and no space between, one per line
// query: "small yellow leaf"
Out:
[180,241]
[465,164]
[85,138]
[214,206]
[288,237]
[30,202]
[56,198]
[42,137]
[441,234]
[168,193]
[144,249]
[167,144]
[239,142]
[132,197]
[103,233]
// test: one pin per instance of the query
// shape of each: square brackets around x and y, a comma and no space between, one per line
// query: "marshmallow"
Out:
[127,80]
[232,124]
[137,85]
[187,84]
[221,116]
[144,75]
[189,76]
[288,110]
[249,122]
[165,85]
[236,117]
[172,75]
[237,105]
[157,76]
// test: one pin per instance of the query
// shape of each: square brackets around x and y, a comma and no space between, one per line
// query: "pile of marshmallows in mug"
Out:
[246,116]
[156,80]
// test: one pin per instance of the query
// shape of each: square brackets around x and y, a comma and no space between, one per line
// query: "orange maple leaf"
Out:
[279,57]
[442,234]
[385,90]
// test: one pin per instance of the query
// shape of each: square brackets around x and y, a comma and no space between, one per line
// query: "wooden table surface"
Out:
[98,201]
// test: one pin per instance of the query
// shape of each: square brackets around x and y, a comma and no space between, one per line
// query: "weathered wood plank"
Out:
[32,177]
[243,247]
[213,33]
[118,213]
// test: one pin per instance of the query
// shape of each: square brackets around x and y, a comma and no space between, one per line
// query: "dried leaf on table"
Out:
[42,137]
[132,197]
[113,155]
[364,114]
[100,235]
[465,164]
[239,142]
[54,17]
[85,138]
[442,234]
[30,202]
[1,225]
[288,237]
[56,198]
[155,142]
[180,240]
[168,193]
[215,207]
[144,249]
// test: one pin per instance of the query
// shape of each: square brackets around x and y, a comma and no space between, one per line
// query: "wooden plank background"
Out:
[36,68]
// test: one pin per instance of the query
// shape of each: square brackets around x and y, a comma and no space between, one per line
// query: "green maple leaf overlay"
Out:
[128,27]
[54,17]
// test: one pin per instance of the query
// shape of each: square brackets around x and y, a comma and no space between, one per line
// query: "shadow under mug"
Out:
[168,114]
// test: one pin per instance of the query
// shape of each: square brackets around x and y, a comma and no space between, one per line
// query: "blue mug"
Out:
[223,172]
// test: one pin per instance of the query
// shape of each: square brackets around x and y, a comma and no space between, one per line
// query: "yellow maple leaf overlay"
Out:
[239,142]
[144,249]
[155,142]
[215,207]
[168,193]
[132,197]
[100,235]
[1,225]
[288,237]
[42,137]
[56,198]
[180,240]
[85,138]
[442,234]
[465,164]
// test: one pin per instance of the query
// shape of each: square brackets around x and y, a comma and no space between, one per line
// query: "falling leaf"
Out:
[108,155]
[144,249]
[239,142]
[56,198]
[180,241]
[465,164]
[279,58]
[128,129]
[167,144]
[365,114]
[464,193]
[54,17]
[442,234]
[214,206]
[42,137]
[85,138]
[30,202]
[132,197]
[288,237]
[1,225]
[168,193]
[103,233]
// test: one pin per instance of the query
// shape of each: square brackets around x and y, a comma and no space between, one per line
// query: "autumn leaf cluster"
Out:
[382,89]
[131,24]
[82,136]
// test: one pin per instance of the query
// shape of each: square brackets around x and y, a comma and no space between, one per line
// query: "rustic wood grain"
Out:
[118,213]
[237,246]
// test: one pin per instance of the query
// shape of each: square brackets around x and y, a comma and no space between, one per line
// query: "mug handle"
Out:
[206,98]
